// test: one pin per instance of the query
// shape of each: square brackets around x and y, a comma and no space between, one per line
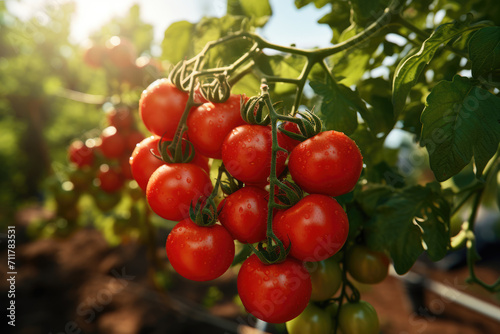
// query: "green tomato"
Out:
[358,318]
[326,278]
[367,266]
[311,320]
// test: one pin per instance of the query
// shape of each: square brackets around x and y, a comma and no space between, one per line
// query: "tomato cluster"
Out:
[118,56]
[103,161]
[311,229]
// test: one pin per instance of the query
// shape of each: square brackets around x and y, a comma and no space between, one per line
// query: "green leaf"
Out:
[318,3]
[339,106]
[377,92]
[484,51]
[409,222]
[177,41]
[460,120]
[366,11]
[259,10]
[409,70]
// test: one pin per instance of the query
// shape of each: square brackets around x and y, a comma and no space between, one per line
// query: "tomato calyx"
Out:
[273,252]
[229,184]
[175,151]
[309,125]
[288,193]
[252,111]
[217,91]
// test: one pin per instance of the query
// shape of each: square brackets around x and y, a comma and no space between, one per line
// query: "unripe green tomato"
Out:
[367,266]
[326,278]
[358,318]
[311,320]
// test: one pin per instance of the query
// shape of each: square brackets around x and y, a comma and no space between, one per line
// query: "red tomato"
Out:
[246,153]
[199,253]
[274,293]
[121,118]
[289,143]
[121,52]
[210,123]
[317,227]
[133,138]
[110,178]
[113,144]
[94,56]
[201,161]
[143,163]
[80,154]
[172,188]
[161,107]
[244,214]
[329,163]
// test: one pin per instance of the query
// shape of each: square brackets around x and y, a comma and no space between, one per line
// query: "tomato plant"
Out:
[199,253]
[358,318]
[113,144]
[274,293]
[367,266]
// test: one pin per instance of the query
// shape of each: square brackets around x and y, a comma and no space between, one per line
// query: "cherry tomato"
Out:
[143,163]
[80,154]
[172,188]
[113,144]
[246,153]
[317,227]
[326,277]
[311,320]
[121,52]
[358,318]
[161,107]
[289,143]
[329,163]
[210,123]
[94,56]
[133,138]
[110,178]
[121,118]
[199,253]
[274,293]
[244,214]
[367,266]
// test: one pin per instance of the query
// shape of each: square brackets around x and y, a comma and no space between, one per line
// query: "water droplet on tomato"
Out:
[249,205]
[240,210]
[188,180]
[178,176]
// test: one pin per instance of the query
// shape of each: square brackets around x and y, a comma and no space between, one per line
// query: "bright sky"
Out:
[287,25]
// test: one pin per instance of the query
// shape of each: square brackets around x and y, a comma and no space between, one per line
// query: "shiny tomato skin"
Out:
[326,278]
[317,227]
[113,144]
[246,153]
[161,107]
[358,318]
[274,293]
[329,163]
[365,265]
[142,161]
[244,214]
[111,178]
[199,253]
[210,123]
[312,320]
[80,154]
[173,187]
